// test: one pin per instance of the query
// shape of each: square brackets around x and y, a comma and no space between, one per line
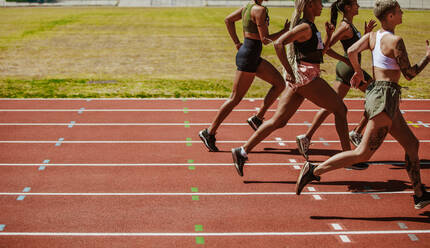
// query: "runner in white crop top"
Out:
[379,59]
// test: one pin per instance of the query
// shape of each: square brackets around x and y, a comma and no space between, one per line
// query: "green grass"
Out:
[149,52]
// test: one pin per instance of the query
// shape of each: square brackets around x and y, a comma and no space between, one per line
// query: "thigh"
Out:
[319,92]
[401,131]
[341,89]
[242,82]
[288,104]
[375,133]
[269,73]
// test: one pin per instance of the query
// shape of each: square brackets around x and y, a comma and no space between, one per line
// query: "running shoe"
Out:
[255,122]
[355,138]
[306,176]
[239,160]
[303,144]
[422,201]
[209,140]
[359,166]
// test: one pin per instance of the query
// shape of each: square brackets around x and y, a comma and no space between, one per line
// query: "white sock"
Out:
[242,152]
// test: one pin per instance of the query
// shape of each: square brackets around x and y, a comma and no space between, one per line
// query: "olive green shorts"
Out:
[345,72]
[382,96]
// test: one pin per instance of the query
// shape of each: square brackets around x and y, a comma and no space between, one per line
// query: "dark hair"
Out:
[338,6]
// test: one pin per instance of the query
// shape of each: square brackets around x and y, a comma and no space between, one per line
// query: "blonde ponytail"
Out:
[291,53]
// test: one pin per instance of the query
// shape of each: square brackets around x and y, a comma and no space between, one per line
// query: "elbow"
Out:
[227,21]
[350,52]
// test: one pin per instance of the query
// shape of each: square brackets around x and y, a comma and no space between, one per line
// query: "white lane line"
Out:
[163,124]
[159,141]
[336,226]
[317,197]
[178,164]
[183,234]
[200,193]
[344,238]
[81,110]
[164,99]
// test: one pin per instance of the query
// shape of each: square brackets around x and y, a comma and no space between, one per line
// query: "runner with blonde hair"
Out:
[347,34]
[303,76]
[390,60]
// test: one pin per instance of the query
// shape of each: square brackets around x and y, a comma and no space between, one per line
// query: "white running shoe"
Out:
[303,144]
[355,138]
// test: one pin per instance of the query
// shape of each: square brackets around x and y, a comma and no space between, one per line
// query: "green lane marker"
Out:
[200,240]
[195,197]
[198,228]
[186,110]
[191,167]
[188,143]
[194,189]
[187,124]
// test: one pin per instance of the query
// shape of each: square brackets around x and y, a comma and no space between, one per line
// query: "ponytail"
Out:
[291,53]
[338,6]
[333,13]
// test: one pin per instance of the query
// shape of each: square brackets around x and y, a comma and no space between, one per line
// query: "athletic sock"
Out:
[242,152]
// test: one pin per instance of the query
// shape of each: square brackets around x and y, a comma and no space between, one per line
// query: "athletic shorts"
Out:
[306,73]
[345,72]
[248,57]
[382,96]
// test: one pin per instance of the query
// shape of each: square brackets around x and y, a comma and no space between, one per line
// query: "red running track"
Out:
[133,173]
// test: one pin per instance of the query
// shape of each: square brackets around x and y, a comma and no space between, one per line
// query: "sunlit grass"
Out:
[188,49]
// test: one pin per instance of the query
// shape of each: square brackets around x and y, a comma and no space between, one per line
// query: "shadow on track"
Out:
[425,219]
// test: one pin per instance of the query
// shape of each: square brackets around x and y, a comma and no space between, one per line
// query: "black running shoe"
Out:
[209,140]
[239,160]
[422,201]
[306,176]
[255,122]
[359,166]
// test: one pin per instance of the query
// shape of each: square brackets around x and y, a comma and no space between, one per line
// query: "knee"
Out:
[362,155]
[276,124]
[233,100]
[341,111]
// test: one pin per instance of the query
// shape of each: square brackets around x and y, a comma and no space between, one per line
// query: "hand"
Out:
[238,45]
[368,27]
[289,78]
[287,25]
[356,79]
[329,28]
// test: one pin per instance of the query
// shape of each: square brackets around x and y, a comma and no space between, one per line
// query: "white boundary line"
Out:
[203,194]
[180,234]
[173,165]
[161,141]
[175,110]
[156,99]
[168,124]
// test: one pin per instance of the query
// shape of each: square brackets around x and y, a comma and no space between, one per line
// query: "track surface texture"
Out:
[134,173]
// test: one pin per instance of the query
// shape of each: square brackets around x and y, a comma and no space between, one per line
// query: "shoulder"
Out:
[343,27]
[258,10]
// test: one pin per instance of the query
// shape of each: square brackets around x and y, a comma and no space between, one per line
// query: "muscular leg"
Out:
[362,124]
[320,93]
[374,135]
[268,73]
[340,89]
[289,102]
[403,134]
[242,82]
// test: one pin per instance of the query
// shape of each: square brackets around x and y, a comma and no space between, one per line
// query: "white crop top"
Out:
[379,59]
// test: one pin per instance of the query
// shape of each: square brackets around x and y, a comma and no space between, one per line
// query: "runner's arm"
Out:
[401,55]
[231,27]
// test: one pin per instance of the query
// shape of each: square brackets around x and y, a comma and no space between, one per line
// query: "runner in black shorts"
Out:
[348,34]
[255,20]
